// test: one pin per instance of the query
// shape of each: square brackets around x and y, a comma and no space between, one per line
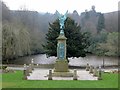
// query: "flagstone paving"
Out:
[41,74]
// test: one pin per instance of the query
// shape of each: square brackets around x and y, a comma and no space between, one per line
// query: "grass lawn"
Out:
[14,80]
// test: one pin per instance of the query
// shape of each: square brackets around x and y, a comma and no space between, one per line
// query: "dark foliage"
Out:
[77,42]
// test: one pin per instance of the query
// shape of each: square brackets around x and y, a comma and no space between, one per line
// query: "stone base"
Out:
[61,66]
[87,69]
[99,78]
[24,78]
[62,74]
[61,69]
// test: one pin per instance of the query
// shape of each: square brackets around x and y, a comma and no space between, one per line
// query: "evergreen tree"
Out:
[77,42]
[101,23]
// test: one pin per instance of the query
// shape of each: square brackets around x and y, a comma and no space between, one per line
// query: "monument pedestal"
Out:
[62,74]
[61,69]
[61,66]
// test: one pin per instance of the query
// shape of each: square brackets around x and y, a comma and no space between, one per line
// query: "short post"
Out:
[99,73]
[95,72]
[27,71]
[37,65]
[30,68]
[75,75]
[24,73]
[50,75]
[91,69]
[24,69]
[87,67]
[103,63]
[32,64]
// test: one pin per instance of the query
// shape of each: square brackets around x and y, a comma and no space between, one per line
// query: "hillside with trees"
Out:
[101,26]
[111,21]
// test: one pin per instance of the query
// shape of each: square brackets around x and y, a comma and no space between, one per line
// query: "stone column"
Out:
[27,71]
[61,47]
[37,65]
[61,64]
[32,64]
[50,75]
[95,72]
[30,68]
[87,67]
[91,69]
[75,75]
[99,73]
[24,73]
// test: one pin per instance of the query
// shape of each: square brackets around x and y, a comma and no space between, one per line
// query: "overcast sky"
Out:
[63,5]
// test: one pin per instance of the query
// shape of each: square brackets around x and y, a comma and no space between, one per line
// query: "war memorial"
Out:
[61,69]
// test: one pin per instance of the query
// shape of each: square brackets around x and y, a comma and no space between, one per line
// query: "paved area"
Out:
[21,68]
[41,74]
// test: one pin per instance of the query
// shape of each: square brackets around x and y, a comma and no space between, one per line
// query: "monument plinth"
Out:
[61,64]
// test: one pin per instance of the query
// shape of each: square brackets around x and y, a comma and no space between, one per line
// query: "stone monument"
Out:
[61,65]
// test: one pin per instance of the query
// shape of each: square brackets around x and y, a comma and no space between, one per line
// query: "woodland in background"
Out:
[23,31]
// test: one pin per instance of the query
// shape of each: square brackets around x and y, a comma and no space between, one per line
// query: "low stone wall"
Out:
[52,66]
[35,65]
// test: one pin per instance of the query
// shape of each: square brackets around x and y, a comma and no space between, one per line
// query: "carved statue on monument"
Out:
[62,19]
[61,47]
